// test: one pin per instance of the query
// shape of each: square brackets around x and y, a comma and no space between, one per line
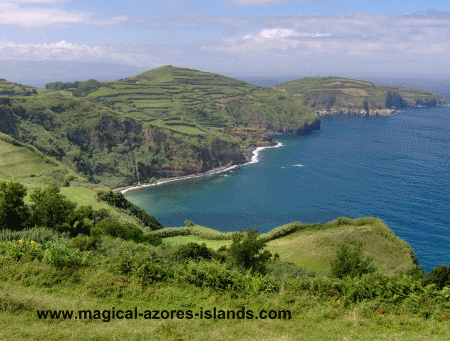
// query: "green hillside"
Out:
[189,100]
[323,94]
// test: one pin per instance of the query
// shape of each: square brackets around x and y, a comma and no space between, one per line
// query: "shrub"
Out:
[350,263]
[189,223]
[344,221]
[440,276]
[82,242]
[59,256]
[212,275]
[246,251]
[24,249]
[113,228]
[149,271]
[193,251]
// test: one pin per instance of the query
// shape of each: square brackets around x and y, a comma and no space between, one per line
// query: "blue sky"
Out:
[232,37]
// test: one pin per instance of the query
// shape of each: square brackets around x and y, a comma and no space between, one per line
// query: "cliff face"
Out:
[335,95]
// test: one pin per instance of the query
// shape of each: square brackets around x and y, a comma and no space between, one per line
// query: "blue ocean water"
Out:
[396,168]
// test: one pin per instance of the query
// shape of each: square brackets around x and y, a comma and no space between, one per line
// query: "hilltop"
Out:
[188,100]
[333,95]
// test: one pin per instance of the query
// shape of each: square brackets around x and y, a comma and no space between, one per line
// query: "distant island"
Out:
[169,122]
[336,95]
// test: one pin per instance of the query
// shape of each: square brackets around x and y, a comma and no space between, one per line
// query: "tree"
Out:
[351,263]
[246,251]
[13,211]
[440,276]
[51,209]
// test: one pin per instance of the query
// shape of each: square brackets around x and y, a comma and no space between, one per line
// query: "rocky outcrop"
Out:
[370,112]
[255,134]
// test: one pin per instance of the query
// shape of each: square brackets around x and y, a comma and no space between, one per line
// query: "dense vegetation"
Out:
[109,265]
[336,94]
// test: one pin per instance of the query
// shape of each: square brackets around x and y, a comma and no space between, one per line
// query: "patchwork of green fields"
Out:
[321,92]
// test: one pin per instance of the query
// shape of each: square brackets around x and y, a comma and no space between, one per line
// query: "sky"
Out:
[255,38]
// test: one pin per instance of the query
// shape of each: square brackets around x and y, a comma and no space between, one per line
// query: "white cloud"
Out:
[383,37]
[12,14]
[64,50]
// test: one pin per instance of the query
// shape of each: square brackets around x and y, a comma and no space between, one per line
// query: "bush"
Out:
[115,229]
[23,249]
[107,227]
[350,263]
[193,251]
[212,275]
[189,223]
[83,243]
[440,276]
[59,256]
[246,251]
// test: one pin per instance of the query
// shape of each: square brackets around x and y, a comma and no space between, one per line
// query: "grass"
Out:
[312,319]
[314,248]
[82,196]
[29,286]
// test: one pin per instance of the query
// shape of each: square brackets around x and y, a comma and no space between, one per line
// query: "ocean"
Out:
[396,168]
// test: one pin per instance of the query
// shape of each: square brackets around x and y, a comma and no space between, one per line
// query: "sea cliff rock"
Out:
[370,112]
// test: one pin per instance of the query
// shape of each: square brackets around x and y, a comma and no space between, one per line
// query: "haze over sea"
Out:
[396,168]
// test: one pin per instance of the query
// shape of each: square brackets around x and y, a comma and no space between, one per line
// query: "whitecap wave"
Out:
[298,165]
[255,157]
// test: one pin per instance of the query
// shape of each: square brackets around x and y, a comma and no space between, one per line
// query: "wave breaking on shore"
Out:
[254,159]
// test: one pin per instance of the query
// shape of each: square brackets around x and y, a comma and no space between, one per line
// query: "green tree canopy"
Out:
[13,211]
[51,209]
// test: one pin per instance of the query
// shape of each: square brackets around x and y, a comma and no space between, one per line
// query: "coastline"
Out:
[253,159]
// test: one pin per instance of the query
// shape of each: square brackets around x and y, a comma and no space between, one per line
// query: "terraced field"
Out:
[202,99]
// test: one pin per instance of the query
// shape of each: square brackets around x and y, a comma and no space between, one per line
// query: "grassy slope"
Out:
[312,90]
[313,318]
[24,163]
[314,248]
